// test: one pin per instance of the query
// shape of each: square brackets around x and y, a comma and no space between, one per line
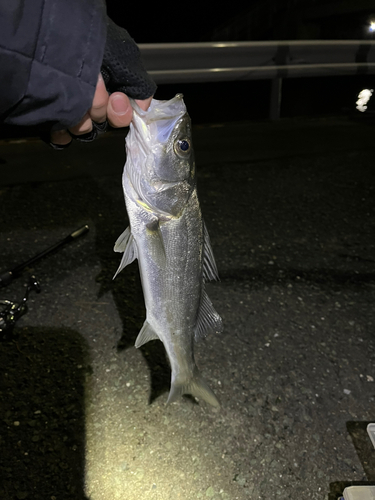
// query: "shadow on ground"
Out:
[132,311]
[42,421]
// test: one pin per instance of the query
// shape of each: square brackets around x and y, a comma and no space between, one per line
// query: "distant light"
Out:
[372,26]
[363,99]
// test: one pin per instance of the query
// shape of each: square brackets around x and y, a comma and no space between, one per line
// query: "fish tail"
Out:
[196,386]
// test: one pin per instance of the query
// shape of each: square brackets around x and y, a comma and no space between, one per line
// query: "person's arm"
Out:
[51,54]
[50,57]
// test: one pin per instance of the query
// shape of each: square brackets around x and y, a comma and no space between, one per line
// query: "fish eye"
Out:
[182,146]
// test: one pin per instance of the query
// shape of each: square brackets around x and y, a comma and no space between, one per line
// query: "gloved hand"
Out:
[122,68]
[123,76]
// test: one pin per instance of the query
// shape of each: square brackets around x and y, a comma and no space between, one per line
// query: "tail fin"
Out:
[196,386]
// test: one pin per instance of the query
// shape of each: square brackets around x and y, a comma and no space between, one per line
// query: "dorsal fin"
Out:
[210,272]
[125,243]
[208,320]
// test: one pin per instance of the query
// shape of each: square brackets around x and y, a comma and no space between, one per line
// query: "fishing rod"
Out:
[7,277]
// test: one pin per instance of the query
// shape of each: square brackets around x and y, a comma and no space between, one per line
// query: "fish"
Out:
[168,236]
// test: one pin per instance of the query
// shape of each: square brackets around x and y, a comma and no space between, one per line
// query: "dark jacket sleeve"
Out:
[50,57]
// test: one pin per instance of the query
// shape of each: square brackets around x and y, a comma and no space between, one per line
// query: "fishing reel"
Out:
[10,312]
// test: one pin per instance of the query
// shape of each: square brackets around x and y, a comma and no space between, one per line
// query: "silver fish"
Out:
[169,238]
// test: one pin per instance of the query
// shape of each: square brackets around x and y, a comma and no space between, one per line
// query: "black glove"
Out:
[122,68]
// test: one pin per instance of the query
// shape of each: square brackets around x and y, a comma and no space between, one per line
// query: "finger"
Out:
[144,103]
[60,137]
[83,127]
[98,110]
[119,110]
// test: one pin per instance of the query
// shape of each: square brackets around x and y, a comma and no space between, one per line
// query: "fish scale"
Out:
[168,237]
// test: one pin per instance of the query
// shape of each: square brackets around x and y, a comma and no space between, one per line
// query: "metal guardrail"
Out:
[230,61]
[223,61]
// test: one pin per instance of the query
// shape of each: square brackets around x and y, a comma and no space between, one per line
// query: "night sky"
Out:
[173,21]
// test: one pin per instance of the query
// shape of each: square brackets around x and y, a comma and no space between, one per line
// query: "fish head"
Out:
[174,157]
[161,152]
[163,140]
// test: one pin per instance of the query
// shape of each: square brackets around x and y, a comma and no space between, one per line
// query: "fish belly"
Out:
[170,261]
[170,258]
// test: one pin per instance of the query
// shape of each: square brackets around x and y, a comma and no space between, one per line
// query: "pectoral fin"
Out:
[156,248]
[210,272]
[147,333]
[125,243]
[208,319]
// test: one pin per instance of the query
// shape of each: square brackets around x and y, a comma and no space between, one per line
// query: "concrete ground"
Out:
[290,209]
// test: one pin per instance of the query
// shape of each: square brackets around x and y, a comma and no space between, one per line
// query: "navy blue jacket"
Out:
[51,52]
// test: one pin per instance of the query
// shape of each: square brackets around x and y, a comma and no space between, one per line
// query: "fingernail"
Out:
[119,106]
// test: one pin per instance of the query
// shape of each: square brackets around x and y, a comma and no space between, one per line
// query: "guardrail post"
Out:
[275,100]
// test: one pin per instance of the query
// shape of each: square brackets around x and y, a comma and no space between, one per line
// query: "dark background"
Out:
[290,210]
[243,20]
[169,22]
[175,22]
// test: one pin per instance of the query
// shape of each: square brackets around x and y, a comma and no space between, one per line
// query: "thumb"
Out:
[119,110]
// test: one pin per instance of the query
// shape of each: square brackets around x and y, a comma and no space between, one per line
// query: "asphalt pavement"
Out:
[290,209]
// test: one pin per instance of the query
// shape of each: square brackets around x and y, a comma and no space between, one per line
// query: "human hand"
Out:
[114,108]
[122,75]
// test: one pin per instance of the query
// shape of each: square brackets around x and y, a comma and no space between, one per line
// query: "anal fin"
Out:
[146,334]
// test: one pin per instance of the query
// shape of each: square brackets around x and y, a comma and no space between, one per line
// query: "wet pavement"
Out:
[290,210]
